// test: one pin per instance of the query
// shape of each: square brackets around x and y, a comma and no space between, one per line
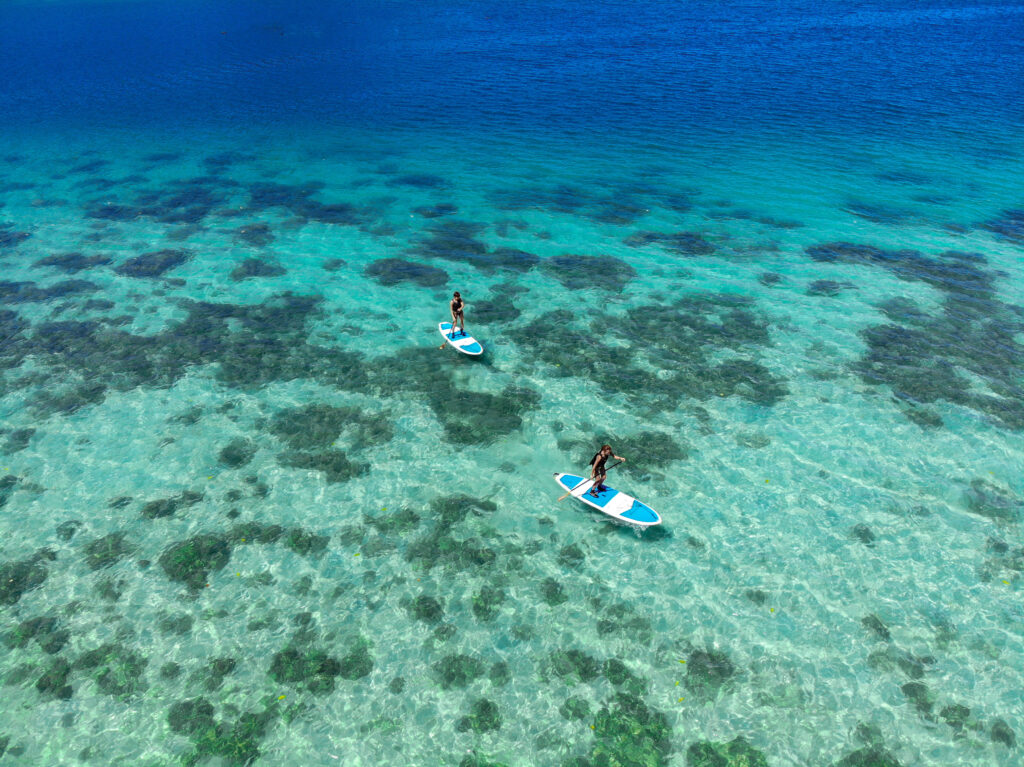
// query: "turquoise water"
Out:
[832,541]
[252,514]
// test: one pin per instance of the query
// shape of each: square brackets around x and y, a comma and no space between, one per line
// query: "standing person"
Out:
[597,469]
[456,306]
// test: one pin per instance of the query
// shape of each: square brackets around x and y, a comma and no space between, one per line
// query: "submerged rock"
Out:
[191,717]
[191,561]
[106,551]
[155,264]
[314,669]
[987,500]
[736,753]
[117,670]
[707,672]
[392,271]
[457,671]
[574,708]
[483,717]
[630,734]
[22,575]
[427,609]
[574,666]
[254,267]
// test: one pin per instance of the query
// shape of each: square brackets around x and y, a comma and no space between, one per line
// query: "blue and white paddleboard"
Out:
[464,343]
[618,505]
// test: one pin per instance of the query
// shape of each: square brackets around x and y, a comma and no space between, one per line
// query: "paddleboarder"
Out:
[456,305]
[597,468]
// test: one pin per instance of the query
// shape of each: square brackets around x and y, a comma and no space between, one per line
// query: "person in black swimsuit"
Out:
[457,316]
[597,468]
[456,306]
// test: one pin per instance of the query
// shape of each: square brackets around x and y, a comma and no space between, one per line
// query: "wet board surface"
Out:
[464,343]
[610,501]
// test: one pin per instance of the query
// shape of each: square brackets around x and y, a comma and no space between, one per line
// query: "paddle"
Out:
[585,481]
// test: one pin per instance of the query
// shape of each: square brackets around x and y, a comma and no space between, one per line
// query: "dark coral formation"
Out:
[335,465]
[590,272]
[827,288]
[11,237]
[310,668]
[166,507]
[72,263]
[993,502]
[191,717]
[229,743]
[237,453]
[116,669]
[708,672]
[392,271]
[106,551]
[457,671]
[187,201]
[920,357]
[732,754]
[690,244]
[250,345]
[487,603]
[629,733]
[484,716]
[593,202]
[306,543]
[255,234]
[23,575]
[875,625]
[679,359]
[298,198]
[552,592]
[440,546]
[254,267]
[1009,226]
[318,426]
[45,630]
[455,241]
[154,264]
[191,561]
[574,708]
[30,292]
[427,609]
[574,666]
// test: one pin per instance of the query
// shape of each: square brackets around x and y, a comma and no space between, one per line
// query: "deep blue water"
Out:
[883,68]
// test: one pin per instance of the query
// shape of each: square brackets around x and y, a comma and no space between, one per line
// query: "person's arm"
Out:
[618,458]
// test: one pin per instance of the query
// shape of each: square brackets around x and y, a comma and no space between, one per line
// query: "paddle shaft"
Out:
[581,484]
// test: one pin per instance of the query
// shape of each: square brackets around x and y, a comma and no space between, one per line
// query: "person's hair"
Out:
[606,447]
[456,295]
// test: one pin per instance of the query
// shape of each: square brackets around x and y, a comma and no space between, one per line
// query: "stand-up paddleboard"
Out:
[464,343]
[618,505]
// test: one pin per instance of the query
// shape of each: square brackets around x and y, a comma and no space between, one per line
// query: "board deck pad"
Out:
[615,504]
[460,340]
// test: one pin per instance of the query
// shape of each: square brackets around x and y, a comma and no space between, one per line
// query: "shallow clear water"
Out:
[253,514]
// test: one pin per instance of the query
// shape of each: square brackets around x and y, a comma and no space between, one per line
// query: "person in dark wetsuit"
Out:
[597,468]
[456,306]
